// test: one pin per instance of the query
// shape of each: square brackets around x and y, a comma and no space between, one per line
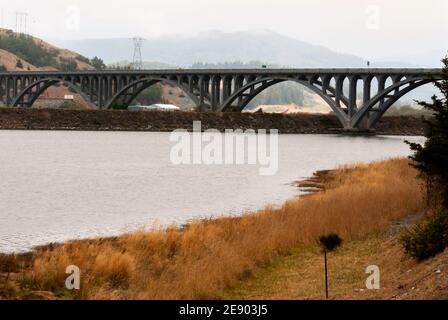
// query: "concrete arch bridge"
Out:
[358,97]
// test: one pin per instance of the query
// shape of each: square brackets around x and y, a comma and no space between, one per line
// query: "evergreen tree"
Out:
[431,159]
[430,237]
[98,63]
[19,64]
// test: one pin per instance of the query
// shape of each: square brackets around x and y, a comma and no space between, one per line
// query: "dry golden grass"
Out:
[204,259]
[300,274]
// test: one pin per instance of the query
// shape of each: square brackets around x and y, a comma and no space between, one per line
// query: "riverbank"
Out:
[158,121]
[206,259]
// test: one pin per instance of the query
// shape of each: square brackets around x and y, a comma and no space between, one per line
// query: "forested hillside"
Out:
[31,53]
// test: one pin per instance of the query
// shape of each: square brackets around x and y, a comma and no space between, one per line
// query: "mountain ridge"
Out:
[217,47]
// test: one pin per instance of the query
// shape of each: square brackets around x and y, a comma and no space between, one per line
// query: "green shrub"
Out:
[83,59]
[19,64]
[428,238]
[98,63]
[149,96]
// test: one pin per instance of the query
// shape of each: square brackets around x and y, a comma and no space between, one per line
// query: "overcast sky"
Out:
[369,28]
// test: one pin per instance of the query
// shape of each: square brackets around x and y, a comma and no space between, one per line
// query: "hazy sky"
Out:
[369,28]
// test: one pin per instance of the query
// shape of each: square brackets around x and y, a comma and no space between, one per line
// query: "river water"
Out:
[60,185]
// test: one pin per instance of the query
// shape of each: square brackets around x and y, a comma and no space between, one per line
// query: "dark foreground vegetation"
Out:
[431,236]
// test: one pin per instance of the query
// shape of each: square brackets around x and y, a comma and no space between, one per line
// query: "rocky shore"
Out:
[157,121]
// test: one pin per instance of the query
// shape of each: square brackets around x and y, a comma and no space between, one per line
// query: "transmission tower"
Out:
[137,62]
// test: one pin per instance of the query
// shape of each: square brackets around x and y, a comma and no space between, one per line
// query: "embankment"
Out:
[60,119]
[206,258]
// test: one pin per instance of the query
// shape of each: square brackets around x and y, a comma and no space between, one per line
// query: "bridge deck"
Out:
[268,71]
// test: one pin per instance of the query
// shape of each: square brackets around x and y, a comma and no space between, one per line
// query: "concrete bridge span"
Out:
[358,97]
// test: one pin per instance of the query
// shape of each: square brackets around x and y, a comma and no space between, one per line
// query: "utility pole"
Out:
[137,62]
[26,21]
[326,274]
[21,22]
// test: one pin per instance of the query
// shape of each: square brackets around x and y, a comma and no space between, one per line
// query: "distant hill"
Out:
[9,61]
[23,52]
[218,47]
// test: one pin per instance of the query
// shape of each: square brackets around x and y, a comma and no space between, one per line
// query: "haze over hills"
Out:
[213,49]
[427,59]
[216,47]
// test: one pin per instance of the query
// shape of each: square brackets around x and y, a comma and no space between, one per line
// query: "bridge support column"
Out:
[352,96]
[366,96]
[8,91]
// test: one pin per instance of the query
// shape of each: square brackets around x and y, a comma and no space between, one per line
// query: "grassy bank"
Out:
[299,274]
[205,259]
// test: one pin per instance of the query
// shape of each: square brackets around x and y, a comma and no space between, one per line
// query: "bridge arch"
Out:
[377,116]
[34,90]
[129,92]
[384,100]
[265,83]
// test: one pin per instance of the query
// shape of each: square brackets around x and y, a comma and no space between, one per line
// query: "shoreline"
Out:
[159,121]
[178,262]
[308,186]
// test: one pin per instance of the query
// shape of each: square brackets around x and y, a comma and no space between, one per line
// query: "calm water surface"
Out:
[57,185]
